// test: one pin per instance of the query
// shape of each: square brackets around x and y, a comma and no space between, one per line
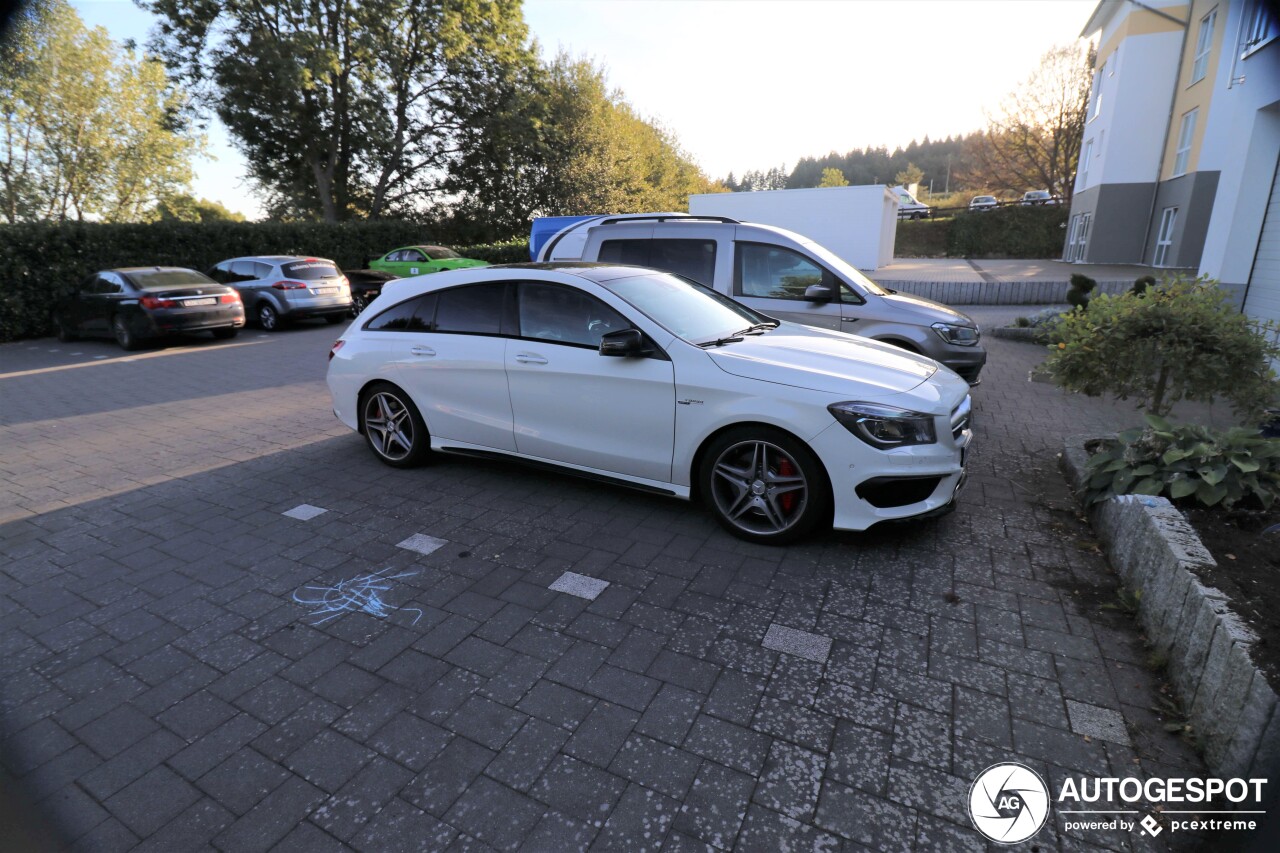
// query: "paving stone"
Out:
[304,512]
[656,765]
[152,801]
[527,755]
[557,704]
[728,743]
[804,644]
[329,760]
[273,818]
[579,790]
[865,818]
[638,823]
[735,696]
[447,775]
[716,805]
[767,830]
[402,828]
[556,831]
[622,687]
[421,543]
[1098,722]
[790,781]
[784,720]
[601,734]
[859,757]
[350,810]
[687,672]
[582,586]
[495,814]
[671,714]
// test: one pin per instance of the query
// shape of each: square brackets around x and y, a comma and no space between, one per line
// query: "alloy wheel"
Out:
[389,426]
[759,488]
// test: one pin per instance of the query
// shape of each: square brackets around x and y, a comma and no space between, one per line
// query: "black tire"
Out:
[124,336]
[334,319]
[739,473]
[393,447]
[64,332]
[359,301]
[268,317]
[226,333]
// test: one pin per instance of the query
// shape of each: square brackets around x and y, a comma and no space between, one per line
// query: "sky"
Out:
[752,84]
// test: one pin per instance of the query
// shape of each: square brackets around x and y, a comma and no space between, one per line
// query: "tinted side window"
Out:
[412,315]
[695,259]
[558,314]
[774,272]
[475,309]
[625,252]
[109,283]
[241,271]
[261,270]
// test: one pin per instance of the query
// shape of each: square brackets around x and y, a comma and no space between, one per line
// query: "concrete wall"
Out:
[1120,212]
[1193,195]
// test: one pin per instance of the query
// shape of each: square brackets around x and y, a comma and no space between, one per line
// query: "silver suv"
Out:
[277,289]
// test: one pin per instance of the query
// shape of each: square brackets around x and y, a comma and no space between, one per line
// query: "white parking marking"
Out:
[802,644]
[422,543]
[583,586]
[305,512]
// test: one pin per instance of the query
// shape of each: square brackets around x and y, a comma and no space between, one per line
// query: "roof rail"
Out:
[667,218]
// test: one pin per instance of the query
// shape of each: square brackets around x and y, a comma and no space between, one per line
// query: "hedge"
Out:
[1007,232]
[41,262]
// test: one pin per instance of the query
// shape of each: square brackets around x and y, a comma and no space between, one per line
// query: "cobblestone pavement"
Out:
[163,686]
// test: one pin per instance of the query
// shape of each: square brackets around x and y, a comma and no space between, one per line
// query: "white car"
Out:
[647,379]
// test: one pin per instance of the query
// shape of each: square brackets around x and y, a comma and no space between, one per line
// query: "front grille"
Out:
[887,492]
[961,417]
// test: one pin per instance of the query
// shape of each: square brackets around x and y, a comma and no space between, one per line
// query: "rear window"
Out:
[167,278]
[309,270]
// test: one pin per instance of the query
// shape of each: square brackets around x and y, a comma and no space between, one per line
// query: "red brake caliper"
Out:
[786,469]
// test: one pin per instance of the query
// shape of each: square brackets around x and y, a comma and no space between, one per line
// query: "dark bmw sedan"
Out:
[137,303]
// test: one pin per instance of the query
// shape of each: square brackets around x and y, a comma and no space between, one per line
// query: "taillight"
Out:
[289,285]
[337,345]
[229,298]
[153,302]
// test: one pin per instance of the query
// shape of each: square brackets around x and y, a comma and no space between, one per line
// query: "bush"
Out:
[1078,294]
[1187,463]
[42,262]
[1009,232]
[1183,340]
[921,238]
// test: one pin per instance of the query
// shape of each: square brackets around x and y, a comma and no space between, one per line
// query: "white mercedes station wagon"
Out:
[649,380]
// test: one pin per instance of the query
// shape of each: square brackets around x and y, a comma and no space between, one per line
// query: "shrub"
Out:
[1078,294]
[921,238]
[41,262]
[1141,284]
[1187,463]
[1009,232]
[1180,341]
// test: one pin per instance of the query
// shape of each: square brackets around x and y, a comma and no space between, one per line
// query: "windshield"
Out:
[838,266]
[168,278]
[440,253]
[686,309]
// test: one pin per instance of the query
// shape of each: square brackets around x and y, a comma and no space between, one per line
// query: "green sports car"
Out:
[420,260]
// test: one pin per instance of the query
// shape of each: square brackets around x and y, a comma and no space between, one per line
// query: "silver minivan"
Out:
[776,272]
[277,289]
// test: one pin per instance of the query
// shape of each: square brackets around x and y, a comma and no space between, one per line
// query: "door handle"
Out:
[848,319]
[421,350]
[530,358]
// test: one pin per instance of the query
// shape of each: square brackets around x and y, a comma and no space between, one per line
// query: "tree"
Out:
[908,176]
[87,130]
[346,109]
[833,178]
[1033,140]
[184,207]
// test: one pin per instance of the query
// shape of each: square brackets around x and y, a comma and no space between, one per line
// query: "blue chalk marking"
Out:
[363,593]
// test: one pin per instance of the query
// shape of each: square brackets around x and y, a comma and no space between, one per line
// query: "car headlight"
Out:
[963,336]
[885,427]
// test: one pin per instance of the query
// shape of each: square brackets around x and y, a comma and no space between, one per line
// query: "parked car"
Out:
[278,289]
[133,304]
[777,272]
[983,202]
[420,260]
[365,287]
[1037,197]
[643,378]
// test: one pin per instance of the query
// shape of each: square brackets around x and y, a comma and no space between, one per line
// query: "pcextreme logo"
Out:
[1009,803]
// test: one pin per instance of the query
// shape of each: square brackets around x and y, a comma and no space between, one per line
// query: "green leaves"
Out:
[1187,462]
[1181,341]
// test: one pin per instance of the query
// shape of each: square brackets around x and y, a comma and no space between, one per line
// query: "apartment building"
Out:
[1178,163]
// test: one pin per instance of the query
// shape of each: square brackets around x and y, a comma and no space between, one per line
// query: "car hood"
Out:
[918,304]
[820,360]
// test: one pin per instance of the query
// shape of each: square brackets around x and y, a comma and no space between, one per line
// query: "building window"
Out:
[1164,237]
[1204,41]
[1095,105]
[1185,132]
[1260,28]
[1085,156]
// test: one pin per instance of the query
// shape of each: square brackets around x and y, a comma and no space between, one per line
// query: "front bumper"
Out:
[966,362]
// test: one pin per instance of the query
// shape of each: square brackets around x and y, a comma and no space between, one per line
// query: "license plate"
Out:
[323,291]
[191,303]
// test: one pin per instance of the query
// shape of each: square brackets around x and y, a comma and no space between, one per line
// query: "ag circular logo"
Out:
[1008,802]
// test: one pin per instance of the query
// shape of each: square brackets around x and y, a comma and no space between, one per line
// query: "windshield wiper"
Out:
[719,342]
[758,328]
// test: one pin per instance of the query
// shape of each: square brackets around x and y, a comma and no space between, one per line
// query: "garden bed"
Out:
[1247,571]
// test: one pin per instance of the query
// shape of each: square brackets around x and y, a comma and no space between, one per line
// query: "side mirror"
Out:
[623,342]
[819,293]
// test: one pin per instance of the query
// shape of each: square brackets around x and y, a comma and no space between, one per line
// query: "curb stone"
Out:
[1230,704]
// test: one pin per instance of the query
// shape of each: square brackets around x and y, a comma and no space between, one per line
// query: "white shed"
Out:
[857,223]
